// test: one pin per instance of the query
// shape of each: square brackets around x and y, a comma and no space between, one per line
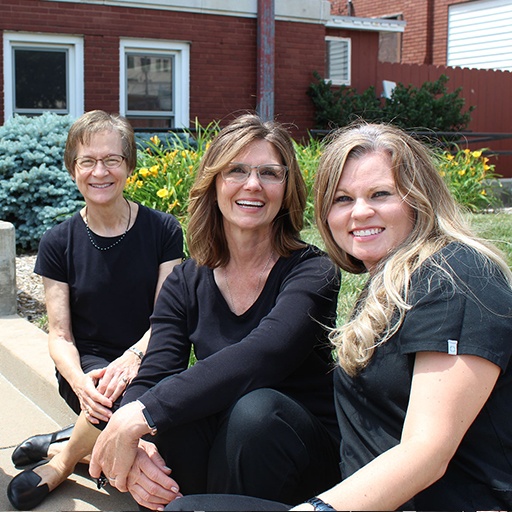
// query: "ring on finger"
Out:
[124,379]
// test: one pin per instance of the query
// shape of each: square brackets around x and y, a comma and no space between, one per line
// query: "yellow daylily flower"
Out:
[155,140]
[162,193]
[144,172]
[476,154]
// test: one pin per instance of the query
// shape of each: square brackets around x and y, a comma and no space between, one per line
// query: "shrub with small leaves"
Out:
[36,191]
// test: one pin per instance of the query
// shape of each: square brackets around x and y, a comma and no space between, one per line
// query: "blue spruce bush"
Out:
[36,191]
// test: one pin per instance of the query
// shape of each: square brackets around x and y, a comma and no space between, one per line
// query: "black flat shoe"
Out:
[23,491]
[35,448]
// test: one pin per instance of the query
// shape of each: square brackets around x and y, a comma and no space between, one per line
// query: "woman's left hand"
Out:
[118,374]
[116,447]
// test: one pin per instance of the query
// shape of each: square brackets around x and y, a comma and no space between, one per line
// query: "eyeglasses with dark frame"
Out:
[87,163]
[269,174]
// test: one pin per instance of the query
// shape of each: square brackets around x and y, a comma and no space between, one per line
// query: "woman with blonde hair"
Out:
[423,389]
[255,414]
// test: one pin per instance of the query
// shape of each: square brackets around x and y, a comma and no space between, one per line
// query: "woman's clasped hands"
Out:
[133,464]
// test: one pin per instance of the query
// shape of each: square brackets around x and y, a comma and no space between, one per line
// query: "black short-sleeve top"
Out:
[111,292]
[461,304]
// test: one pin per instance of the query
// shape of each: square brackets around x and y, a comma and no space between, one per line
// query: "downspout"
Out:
[265,60]
[429,40]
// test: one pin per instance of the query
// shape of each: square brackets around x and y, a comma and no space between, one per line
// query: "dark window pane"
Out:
[40,79]
[149,83]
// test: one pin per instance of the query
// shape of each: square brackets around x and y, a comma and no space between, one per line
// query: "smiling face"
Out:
[101,185]
[251,205]
[368,218]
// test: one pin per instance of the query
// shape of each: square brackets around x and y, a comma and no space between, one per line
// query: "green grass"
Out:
[496,227]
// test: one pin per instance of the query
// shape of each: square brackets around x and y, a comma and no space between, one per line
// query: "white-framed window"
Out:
[154,81]
[338,60]
[43,72]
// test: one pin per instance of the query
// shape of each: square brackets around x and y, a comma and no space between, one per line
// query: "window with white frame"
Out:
[56,61]
[155,83]
[338,60]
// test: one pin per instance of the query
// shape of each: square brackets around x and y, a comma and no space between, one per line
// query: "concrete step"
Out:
[31,405]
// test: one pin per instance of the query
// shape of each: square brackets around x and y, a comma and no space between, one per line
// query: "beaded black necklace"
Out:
[94,244]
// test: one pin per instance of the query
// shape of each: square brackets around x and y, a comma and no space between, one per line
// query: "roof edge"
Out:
[371,24]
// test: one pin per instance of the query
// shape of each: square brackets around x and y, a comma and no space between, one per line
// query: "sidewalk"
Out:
[31,405]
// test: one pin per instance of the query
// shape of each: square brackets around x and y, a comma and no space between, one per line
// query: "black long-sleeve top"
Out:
[280,342]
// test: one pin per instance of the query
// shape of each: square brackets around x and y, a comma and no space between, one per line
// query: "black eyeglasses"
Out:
[87,163]
[269,174]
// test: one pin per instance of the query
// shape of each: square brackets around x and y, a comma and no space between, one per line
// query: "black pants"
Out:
[225,503]
[88,363]
[266,445]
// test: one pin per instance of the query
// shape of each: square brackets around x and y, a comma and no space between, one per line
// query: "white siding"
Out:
[304,11]
[480,35]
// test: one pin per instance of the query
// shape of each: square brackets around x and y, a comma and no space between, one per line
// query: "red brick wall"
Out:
[223,55]
[425,36]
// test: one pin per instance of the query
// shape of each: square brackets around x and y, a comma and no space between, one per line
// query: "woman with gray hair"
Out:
[102,270]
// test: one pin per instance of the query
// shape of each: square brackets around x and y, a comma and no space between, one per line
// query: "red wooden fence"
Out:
[489,91]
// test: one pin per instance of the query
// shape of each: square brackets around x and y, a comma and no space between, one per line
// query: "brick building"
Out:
[467,33]
[166,63]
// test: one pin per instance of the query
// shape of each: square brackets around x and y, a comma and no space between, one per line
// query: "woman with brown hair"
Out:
[255,414]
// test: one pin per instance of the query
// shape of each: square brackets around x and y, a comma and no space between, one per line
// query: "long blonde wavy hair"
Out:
[438,221]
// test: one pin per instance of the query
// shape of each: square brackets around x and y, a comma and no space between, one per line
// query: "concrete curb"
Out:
[25,362]
[31,405]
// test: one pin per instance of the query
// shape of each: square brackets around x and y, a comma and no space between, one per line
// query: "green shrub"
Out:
[36,191]
[430,106]
[336,107]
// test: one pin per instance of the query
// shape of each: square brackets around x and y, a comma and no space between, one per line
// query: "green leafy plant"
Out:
[162,178]
[307,157]
[36,191]
[166,170]
[430,106]
[338,106]
[470,178]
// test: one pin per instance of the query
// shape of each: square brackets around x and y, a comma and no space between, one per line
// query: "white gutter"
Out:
[373,24]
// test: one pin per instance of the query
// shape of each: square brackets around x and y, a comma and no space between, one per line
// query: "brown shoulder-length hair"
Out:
[205,232]
[97,121]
